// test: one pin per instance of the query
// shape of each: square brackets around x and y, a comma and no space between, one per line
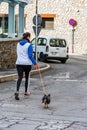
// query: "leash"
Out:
[42,82]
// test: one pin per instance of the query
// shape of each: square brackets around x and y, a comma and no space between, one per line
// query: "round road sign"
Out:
[39,19]
[72,22]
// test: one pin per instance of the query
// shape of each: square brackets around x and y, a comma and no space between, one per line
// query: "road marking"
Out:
[71,80]
[65,75]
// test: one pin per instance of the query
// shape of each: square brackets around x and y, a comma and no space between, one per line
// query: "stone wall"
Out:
[7,53]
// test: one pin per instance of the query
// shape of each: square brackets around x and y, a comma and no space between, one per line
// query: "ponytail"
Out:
[25,35]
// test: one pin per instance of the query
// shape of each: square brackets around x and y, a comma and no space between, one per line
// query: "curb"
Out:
[15,76]
[80,57]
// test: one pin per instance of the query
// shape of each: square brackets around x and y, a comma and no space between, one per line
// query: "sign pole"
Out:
[73,39]
[36,30]
[37,20]
[73,23]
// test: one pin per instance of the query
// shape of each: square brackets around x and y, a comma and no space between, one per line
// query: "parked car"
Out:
[51,48]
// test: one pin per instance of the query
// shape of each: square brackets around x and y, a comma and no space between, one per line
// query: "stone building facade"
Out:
[59,12]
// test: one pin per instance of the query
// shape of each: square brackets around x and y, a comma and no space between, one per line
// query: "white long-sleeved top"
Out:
[25,53]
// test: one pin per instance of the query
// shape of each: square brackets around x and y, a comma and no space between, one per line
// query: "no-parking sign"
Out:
[72,22]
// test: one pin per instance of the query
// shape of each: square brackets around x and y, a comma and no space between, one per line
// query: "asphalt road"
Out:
[76,68]
[67,84]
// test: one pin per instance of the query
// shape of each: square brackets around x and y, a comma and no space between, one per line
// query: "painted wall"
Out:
[64,10]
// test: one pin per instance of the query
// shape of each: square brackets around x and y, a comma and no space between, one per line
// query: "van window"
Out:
[57,43]
[33,41]
[40,41]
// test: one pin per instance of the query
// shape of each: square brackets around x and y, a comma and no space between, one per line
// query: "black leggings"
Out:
[20,70]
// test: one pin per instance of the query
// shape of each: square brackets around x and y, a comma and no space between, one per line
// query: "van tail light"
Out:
[67,49]
[47,48]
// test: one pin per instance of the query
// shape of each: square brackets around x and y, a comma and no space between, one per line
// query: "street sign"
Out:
[72,22]
[38,29]
[39,19]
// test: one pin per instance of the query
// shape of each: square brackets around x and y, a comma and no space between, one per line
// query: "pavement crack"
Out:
[13,124]
[69,125]
[37,128]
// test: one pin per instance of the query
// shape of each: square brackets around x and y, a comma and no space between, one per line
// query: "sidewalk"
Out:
[11,74]
[78,56]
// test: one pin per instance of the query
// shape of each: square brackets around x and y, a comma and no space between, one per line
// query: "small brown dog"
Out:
[46,100]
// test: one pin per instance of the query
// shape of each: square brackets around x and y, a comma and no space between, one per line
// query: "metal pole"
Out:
[73,40]
[36,29]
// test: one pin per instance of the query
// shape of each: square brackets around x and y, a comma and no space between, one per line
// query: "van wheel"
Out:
[63,61]
[42,57]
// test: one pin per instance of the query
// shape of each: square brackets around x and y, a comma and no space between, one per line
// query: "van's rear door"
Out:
[58,48]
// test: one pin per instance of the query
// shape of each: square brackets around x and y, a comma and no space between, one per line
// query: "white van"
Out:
[51,48]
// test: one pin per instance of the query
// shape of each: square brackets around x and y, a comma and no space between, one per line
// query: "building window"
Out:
[48,21]
[4,24]
[17,22]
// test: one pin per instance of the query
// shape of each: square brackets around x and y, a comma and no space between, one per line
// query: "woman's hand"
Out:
[37,66]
